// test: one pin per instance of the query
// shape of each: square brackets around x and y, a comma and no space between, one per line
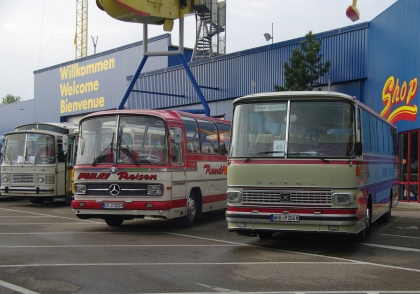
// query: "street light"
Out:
[268,36]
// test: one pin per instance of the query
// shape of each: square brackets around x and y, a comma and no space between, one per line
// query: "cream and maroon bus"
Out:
[150,163]
[38,162]
[309,162]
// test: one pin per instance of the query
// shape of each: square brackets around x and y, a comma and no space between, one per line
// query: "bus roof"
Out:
[167,115]
[62,128]
[294,94]
[272,96]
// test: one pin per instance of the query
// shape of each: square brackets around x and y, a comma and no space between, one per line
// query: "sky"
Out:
[36,34]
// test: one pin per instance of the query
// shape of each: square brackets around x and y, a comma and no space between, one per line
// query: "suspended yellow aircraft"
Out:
[158,12]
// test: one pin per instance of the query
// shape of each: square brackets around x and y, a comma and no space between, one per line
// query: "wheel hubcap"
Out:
[191,209]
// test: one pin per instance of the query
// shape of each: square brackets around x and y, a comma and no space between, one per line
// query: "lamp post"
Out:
[268,36]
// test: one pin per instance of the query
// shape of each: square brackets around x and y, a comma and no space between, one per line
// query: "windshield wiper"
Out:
[105,151]
[261,153]
[130,154]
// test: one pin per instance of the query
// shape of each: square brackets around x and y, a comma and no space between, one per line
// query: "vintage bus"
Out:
[38,162]
[309,161]
[150,163]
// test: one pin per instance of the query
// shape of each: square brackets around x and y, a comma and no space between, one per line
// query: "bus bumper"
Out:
[298,220]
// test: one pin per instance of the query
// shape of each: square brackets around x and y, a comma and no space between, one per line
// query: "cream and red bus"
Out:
[150,163]
[309,162]
[38,162]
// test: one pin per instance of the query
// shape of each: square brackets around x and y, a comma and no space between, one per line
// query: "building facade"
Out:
[374,61]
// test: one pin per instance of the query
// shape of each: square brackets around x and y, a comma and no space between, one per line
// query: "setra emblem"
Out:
[113,170]
[114,189]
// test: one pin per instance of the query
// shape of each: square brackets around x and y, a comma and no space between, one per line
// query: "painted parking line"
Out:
[16,288]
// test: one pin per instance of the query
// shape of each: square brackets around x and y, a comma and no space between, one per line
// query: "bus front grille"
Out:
[22,178]
[287,197]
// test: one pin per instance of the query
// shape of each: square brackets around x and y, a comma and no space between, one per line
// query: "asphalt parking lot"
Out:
[46,249]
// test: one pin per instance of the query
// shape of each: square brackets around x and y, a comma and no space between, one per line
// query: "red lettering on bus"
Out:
[213,171]
[127,176]
[93,176]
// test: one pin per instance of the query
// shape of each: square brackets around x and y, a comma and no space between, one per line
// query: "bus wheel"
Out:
[37,200]
[360,238]
[188,220]
[114,222]
[385,218]
[265,235]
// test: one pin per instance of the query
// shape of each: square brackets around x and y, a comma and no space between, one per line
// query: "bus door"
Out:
[60,169]
[179,174]
[409,154]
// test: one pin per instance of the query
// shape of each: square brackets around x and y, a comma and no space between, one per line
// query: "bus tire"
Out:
[360,238]
[190,217]
[114,222]
[37,200]
[385,218]
[265,235]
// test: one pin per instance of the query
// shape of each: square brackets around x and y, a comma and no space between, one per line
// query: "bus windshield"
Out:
[123,139]
[30,148]
[312,129]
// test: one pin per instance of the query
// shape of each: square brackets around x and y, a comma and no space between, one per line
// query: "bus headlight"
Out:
[154,190]
[41,178]
[80,189]
[4,178]
[234,196]
[341,198]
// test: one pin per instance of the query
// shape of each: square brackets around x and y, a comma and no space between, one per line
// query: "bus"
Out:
[150,163]
[312,161]
[38,162]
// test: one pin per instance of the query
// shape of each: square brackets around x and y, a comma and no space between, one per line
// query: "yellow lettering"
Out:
[85,104]
[95,85]
[105,64]
[386,96]
[98,66]
[63,89]
[413,90]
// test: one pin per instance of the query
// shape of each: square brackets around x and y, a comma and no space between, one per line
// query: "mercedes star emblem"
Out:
[114,189]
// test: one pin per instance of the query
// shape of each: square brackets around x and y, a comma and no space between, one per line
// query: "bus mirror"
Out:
[358,148]
[223,150]
[178,135]
[65,143]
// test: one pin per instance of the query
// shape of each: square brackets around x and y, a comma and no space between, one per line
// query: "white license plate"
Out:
[113,205]
[284,218]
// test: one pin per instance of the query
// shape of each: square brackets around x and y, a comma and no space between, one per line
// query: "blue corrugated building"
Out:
[376,61]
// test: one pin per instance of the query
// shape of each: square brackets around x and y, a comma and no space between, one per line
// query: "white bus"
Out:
[309,162]
[38,162]
[150,163]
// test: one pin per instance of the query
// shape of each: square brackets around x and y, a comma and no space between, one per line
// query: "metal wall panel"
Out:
[15,114]
[54,104]
[233,73]
[393,53]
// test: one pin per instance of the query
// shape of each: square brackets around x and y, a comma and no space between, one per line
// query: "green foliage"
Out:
[304,68]
[9,99]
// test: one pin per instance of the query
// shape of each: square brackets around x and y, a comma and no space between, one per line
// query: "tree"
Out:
[304,68]
[9,99]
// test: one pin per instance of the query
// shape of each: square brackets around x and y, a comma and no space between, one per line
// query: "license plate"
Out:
[113,205]
[284,218]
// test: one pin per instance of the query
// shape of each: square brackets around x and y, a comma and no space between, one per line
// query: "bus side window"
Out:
[191,135]
[209,137]
[176,150]
[61,156]
[224,137]
[365,131]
